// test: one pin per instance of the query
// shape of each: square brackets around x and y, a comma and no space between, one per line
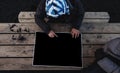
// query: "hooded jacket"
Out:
[75,18]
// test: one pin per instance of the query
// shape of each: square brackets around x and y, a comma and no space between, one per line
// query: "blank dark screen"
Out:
[59,51]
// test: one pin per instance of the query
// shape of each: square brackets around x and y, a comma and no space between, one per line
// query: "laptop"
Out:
[59,51]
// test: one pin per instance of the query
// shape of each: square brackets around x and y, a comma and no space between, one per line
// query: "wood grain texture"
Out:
[28,51]
[85,28]
[98,38]
[26,64]
[92,17]
[16,51]
[19,28]
[96,32]
[88,61]
[100,28]
[90,20]
[12,39]
[88,51]
[17,39]
[30,27]
[16,58]
[87,15]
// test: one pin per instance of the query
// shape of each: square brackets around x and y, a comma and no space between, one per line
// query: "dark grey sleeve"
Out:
[39,17]
[77,21]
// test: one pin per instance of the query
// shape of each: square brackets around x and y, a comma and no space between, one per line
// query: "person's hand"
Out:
[52,34]
[75,33]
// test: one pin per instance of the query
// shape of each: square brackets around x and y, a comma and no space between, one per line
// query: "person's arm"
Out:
[39,17]
[76,18]
[79,15]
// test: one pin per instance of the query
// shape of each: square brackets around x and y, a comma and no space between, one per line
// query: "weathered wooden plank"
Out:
[87,15]
[30,38]
[95,20]
[26,15]
[16,51]
[28,51]
[96,15]
[85,28]
[90,20]
[92,17]
[29,27]
[100,28]
[26,64]
[98,38]
[18,28]
[89,50]
[17,39]
[88,61]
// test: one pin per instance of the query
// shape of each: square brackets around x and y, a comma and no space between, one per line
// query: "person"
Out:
[65,11]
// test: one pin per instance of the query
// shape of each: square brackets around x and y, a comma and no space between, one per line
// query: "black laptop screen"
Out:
[59,51]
